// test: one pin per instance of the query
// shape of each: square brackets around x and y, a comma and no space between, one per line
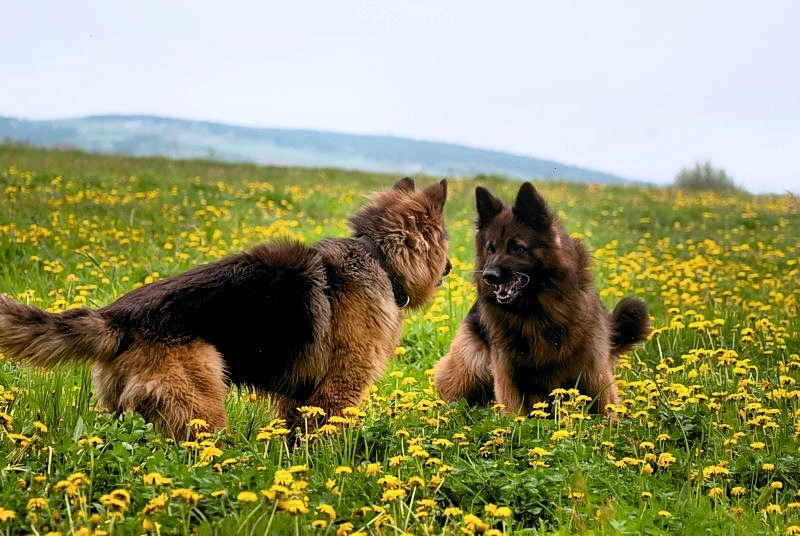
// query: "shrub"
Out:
[705,177]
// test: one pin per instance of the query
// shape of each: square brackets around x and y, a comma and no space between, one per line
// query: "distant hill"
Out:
[178,138]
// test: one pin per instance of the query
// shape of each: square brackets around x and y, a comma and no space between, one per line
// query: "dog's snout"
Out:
[493,275]
[447,268]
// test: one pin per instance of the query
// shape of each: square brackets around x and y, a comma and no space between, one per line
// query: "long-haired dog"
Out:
[308,325]
[538,323]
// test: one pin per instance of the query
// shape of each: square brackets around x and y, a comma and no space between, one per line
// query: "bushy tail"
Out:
[45,339]
[630,325]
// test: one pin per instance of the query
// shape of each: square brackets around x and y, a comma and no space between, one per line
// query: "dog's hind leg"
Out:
[170,385]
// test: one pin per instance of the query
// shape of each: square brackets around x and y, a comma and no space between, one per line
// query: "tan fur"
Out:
[308,325]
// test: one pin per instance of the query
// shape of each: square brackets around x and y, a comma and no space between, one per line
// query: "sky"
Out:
[638,89]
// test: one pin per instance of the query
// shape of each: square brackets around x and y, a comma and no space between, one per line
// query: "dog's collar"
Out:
[400,296]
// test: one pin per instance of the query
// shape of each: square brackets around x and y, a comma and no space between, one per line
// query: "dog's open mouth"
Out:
[506,292]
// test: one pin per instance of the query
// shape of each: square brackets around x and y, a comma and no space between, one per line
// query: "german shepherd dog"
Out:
[538,323]
[308,325]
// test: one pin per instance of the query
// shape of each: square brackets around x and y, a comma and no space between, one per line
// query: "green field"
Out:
[708,435]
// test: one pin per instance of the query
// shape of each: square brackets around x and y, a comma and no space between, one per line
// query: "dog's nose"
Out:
[492,275]
[447,268]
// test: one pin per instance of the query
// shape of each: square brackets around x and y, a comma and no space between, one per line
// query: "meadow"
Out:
[707,438]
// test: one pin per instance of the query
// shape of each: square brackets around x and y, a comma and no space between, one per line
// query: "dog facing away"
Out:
[538,323]
[309,325]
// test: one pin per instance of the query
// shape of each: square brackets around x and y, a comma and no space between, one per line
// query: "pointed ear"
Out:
[437,193]
[488,206]
[532,209]
[405,184]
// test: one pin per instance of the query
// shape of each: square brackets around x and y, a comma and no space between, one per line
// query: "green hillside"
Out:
[145,136]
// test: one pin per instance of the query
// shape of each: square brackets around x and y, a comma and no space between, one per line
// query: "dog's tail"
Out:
[44,339]
[630,325]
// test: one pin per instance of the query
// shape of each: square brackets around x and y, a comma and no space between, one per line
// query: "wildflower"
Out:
[188,495]
[311,411]
[155,479]
[391,495]
[665,459]
[283,478]
[664,513]
[716,492]
[343,470]
[738,491]
[768,466]
[452,511]
[560,435]
[344,529]
[156,504]
[327,510]
[247,497]
[774,509]
[7,515]
[293,506]
[373,469]
[473,523]
[37,503]
[198,424]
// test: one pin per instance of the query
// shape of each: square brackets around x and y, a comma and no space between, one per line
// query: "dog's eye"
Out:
[515,248]
[490,248]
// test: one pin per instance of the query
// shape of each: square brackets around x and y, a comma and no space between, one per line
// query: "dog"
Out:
[307,325]
[538,323]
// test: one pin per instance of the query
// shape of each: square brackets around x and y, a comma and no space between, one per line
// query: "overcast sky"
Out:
[636,88]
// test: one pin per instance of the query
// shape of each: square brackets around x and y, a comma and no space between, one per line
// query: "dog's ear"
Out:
[437,193]
[488,206]
[531,208]
[406,184]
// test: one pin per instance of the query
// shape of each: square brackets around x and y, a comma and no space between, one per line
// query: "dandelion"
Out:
[738,491]
[293,506]
[665,459]
[187,495]
[155,479]
[560,435]
[7,515]
[391,495]
[373,469]
[247,497]
[774,509]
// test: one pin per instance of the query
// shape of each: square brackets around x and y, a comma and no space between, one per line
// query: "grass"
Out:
[709,429]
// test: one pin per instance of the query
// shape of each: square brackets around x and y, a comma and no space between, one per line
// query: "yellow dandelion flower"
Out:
[774,509]
[327,510]
[391,495]
[246,497]
[282,478]
[37,503]
[293,506]
[7,515]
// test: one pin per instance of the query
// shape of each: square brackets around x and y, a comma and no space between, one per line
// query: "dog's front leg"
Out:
[506,391]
